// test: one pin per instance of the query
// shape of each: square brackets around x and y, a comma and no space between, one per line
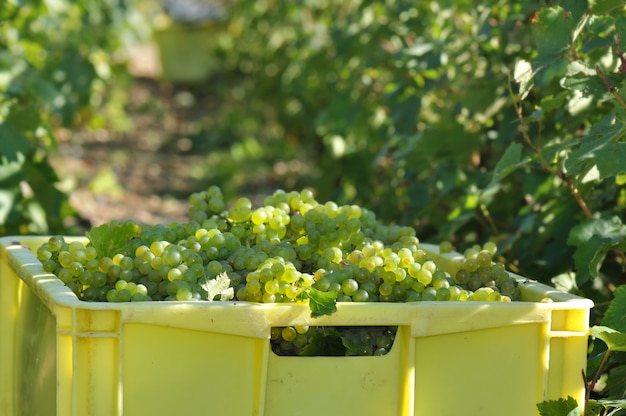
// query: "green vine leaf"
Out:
[112,238]
[615,315]
[560,407]
[523,75]
[510,160]
[607,403]
[601,146]
[605,6]
[552,29]
[321,303]
[593,239]
[614,340]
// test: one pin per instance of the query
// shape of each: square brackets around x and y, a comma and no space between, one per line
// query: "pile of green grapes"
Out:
[274,254]
[333,341]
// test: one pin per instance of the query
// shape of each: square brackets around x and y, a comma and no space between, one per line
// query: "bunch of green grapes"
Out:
[338,341]
[485,278]
[272,254]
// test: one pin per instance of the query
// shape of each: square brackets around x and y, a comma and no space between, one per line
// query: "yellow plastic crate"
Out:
[187,52]
[201,358]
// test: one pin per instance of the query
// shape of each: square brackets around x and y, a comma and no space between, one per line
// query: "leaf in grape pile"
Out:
[112,238]
[320,303]
[329,344]
[560,407]
[614,340]
[219,286]
[615,315]
[552,29]
[593,238]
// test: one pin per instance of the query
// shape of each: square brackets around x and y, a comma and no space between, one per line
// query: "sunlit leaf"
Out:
[112,238]
[320,303]
[523,75]
[615,340]
[219,286]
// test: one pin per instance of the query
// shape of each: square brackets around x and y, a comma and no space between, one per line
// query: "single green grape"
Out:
[288,334]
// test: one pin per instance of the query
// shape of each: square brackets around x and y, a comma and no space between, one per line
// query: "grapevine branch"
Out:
[544,163]
[610,86]
[558,172]
[589,385]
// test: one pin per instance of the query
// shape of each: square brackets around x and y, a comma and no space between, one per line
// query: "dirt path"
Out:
[144,173]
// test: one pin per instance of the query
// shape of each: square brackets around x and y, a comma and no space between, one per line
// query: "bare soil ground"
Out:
[144,173]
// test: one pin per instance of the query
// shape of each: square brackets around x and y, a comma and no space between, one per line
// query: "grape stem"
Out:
[610,86]
[523,128]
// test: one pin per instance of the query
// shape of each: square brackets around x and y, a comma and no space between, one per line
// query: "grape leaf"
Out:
[510,160]
[219,286]
[611,159]
[39,176]
[552,102]
[560,407]
[14,145]
[600,147]
[597,359]
[112,238]
[605,6]
[552,29]
[615,315]
[590,85]
[321,303]
[615,340]
[616,381]
[608,403]
[523,75]
[593,239]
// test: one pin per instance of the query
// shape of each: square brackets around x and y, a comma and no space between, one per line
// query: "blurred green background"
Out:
[122,108]
[446,116]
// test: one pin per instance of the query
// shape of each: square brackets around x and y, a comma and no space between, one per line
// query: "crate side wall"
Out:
[167,370]
[336,386]
[8,311]
[485,371]
[27,348]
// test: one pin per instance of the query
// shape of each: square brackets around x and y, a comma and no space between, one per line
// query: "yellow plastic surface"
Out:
[201,358]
